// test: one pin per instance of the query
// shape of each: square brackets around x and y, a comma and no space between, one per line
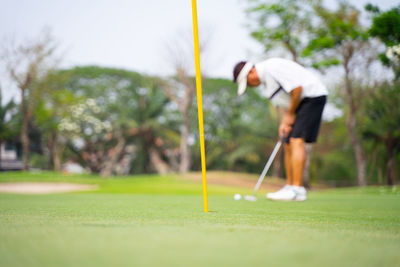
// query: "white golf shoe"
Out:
[300,192]
[285,194]
[289,193]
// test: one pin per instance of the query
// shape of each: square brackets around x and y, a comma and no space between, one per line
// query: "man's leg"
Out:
[298,159]
[295,156]
[288,164]
[285,193]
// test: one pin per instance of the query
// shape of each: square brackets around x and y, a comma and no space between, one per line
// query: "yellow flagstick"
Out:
[199,102]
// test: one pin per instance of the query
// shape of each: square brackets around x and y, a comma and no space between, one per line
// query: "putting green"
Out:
[350,227]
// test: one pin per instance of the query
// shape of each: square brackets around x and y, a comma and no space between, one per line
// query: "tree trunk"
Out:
[358,150]
[373,164]
[390,160]
[1,148]
[57,161]
[51,148]
[113,157]
[173,155]
[185,162]
[306,171]
[123,165]
[351,127]
[159,164]
[147,142]
[24,132]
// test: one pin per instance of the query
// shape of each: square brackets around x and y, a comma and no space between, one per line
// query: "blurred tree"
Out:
[339,39]
[181,88]
[382,123]
[25,63]
[133,106]
[53,105]
[181,91]
[83,123]
[284,23]
[386,26]
[382,119]
[5,110]
[334,161]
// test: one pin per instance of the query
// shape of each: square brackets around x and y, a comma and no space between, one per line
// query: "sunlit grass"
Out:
[158,221]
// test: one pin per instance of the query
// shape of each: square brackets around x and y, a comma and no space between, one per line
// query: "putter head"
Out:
[250,198]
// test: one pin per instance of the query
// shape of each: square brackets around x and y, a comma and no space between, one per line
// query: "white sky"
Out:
[132,34]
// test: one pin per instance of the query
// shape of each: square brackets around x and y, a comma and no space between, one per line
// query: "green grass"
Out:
[140,184]
[158,221]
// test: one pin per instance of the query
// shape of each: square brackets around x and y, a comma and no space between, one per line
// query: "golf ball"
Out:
[237,197]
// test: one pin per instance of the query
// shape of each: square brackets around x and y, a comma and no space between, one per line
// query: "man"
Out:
[301,93]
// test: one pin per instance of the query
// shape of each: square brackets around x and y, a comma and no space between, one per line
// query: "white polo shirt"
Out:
[279,72]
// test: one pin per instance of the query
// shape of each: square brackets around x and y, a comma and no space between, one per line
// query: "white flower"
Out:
[97,130]
[107,125]
[91,102]
[396,49]
[389,53]
[393,52]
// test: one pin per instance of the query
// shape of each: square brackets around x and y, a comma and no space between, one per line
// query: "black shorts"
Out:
[308,119]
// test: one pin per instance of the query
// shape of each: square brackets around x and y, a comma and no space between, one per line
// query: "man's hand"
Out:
[286,125]
[290,115]
[284,130]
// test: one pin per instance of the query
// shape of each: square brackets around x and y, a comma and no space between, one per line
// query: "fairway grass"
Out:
[125,224]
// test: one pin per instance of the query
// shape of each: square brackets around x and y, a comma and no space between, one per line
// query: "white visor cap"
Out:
[242,77]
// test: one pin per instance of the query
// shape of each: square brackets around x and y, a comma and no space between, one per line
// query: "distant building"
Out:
[9,157]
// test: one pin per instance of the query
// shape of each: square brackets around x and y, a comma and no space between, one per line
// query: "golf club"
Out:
[264,172]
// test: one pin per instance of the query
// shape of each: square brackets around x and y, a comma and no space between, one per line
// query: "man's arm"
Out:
[290,115]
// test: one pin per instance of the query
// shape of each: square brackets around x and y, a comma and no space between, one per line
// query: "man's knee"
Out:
[297,147]
[296,142]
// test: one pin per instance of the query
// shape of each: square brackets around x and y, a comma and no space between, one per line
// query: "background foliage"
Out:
[118,122]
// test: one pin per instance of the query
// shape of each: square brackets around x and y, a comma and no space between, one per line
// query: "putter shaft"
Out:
[267,165]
